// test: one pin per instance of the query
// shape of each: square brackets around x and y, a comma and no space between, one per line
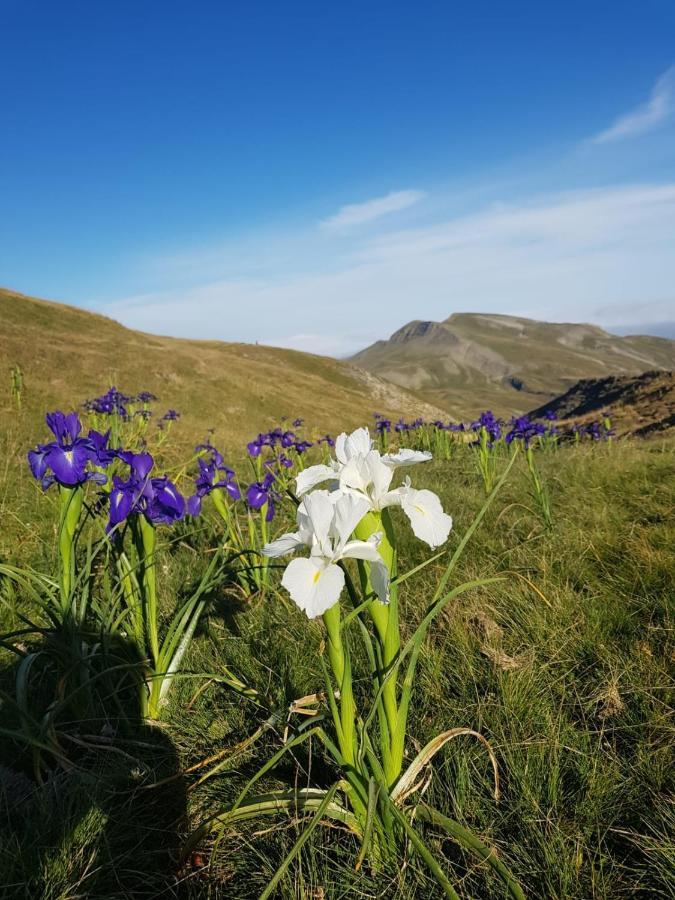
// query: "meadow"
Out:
[550,651]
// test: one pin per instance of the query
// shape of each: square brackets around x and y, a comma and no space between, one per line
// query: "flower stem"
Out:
[385,619]
[145,545]
[341,666]
[71,507]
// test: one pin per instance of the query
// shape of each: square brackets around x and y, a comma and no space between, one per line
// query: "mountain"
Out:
[68,355]
[472,361]
[639,406]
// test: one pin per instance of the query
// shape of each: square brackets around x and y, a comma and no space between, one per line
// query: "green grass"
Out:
[565,668]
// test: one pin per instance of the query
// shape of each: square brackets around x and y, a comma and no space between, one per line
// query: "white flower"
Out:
[325,524]
[361,472]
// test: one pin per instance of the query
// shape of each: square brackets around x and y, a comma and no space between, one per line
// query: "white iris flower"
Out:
[325,524]
[360,471]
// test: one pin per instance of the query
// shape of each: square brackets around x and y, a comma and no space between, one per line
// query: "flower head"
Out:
[361,471]
[213,475]
[66,459]
[325,524]
[158,499]
[492,425]
[261,493]
[525,430]
[112,403]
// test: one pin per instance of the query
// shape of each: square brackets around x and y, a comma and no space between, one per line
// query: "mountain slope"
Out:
[68,355]
[642,405]
[473,360]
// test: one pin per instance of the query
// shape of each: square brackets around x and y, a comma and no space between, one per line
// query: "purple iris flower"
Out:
[260,493]
[145,397]
[287,439]
[111,403]
[525,430]
[326,439]
[170,415]
[382,425]
[158,499]
[490,423]
[255,447]
[457,426]
[297,423]
[550,415]
[104,455]
[215,455]
[65,460]
[302,446]
[210,477]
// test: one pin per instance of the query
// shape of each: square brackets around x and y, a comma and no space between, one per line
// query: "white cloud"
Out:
[360,213]
[605,255]
[659,107]
[337,345]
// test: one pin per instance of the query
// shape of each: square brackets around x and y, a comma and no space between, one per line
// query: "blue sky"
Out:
[315,175]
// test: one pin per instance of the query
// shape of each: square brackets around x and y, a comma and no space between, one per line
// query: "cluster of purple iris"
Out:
[384,425]
[72,460]
[213,474]
[492,425]
[116,403]
[526,430]
[284,439]
[281,443]
[595,431]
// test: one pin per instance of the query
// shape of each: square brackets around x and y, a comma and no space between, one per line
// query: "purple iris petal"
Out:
[99,442]
[65,428]
[260,493]
[194,505]
[121,502]
[256,495]
[69,466]
[37,461]
[213,474]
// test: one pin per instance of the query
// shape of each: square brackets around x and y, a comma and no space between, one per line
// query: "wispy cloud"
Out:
[604,255]
[360,213]
[657,109]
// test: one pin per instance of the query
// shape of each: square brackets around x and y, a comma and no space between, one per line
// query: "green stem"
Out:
[145,545]
[71,506]
[341,666]
[385,619]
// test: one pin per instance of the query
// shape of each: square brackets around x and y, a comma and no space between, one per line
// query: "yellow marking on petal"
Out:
[317,576]
[68,455]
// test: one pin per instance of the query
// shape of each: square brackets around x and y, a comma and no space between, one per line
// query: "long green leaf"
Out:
[299,844]
[468,840]
[425,853]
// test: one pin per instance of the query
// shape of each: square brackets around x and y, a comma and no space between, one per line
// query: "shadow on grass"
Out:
[103,814]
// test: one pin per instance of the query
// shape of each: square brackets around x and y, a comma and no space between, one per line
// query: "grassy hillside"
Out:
[68,355]
[510,364]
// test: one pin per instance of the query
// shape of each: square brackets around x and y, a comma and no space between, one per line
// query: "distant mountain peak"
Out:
[508,362]
[419,329]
